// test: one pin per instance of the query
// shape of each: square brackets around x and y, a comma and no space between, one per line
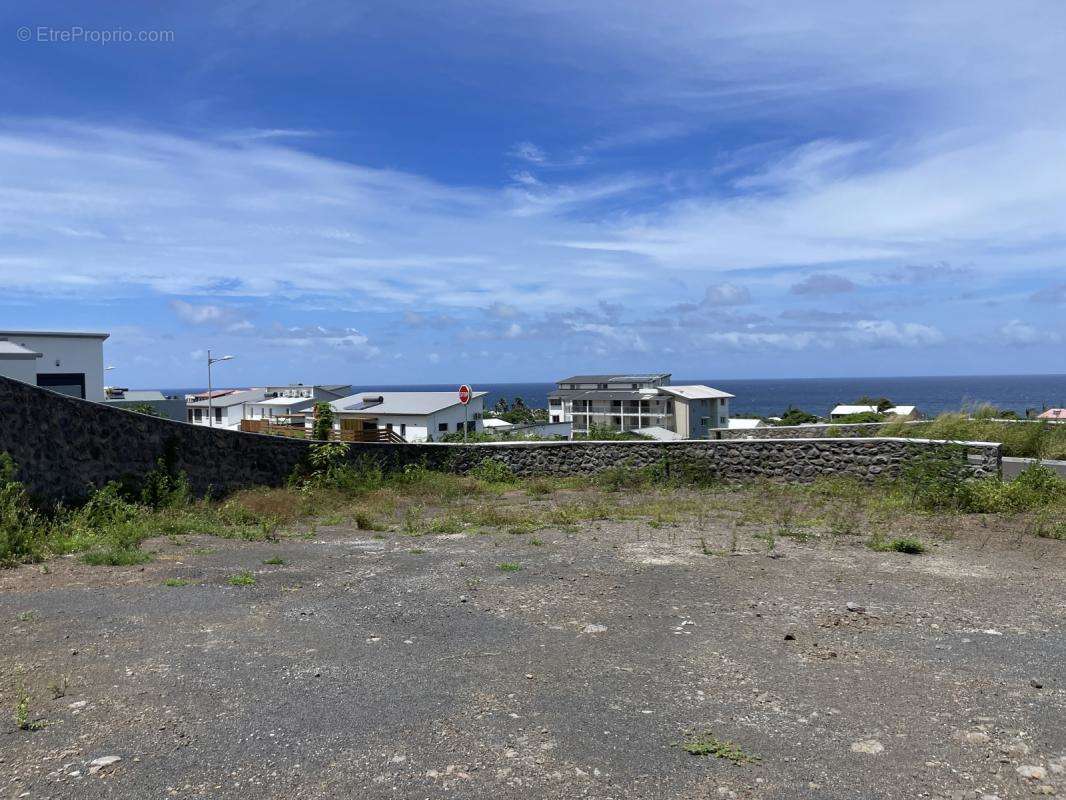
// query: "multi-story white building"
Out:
[68,362]
[633,402]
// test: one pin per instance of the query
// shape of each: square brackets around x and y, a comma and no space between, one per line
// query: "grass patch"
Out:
[175,582]
[904,544]
[416,551]
[116,557]
[243,578]
[276,561]
[509,566]
[705,743]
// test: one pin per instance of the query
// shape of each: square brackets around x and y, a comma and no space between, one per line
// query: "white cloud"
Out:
[527,151]
[1021,333]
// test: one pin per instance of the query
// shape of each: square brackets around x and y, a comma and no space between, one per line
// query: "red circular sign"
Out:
[464,394]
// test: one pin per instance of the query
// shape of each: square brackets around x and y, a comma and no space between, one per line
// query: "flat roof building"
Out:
[68,362]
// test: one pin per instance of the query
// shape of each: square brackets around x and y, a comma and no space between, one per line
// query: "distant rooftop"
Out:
[1053,413]
[12,350]
[61,334]
[696,392]
[623,378]
[231,398]
[400,403]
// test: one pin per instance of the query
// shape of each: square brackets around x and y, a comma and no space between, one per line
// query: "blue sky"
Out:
[507,191]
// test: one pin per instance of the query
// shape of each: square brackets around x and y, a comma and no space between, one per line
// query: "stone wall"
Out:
[65,447]
[802,431]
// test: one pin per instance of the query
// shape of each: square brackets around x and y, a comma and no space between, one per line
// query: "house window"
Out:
[601,386]
[555,417]
[555,402]
[617,420]
[199,415]
[190,415]
[218,415]
[442,427]
[388,426]
[403,429]
[616,404]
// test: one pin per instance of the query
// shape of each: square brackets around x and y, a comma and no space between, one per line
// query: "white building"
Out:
[632,402]
[744,423]
[224,409]
[845,410]
[289,405]
[413,416]
[68,362]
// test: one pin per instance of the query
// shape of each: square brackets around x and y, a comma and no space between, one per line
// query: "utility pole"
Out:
[210,404]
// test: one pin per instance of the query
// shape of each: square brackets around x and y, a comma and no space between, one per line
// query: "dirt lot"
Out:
[417,667]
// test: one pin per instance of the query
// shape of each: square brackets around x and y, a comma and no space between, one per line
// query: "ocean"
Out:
[771,396]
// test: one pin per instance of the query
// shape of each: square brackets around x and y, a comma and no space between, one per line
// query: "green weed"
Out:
[705,743]
[243,578]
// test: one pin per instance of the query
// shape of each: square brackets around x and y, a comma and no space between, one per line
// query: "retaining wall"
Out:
[65,447]
[827,429]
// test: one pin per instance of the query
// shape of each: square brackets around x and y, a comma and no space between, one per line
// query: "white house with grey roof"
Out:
[224,409]
[68,362]
[413,416]
[291,404]
[632,402]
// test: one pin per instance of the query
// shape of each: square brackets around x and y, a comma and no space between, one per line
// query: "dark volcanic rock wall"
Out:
[65,447]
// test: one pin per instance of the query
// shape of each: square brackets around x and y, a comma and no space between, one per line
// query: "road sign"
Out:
[464,394]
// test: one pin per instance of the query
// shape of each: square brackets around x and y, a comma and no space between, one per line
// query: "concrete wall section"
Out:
[66,446]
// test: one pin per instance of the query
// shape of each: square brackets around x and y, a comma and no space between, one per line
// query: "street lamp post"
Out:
[210,406]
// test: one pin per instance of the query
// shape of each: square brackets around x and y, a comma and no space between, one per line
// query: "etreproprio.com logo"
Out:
[76,34]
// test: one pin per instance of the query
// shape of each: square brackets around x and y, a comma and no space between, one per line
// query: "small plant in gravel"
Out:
[509,566]
[705,743]
[416,551]
[536,542]
[21,714]
[175,582]
[243,578]
[276,561]
[58,687]
[413,524]
[26,616]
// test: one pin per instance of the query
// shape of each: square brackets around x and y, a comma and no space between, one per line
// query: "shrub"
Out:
[23,532]
[322,428]
[907,544]
[492,470]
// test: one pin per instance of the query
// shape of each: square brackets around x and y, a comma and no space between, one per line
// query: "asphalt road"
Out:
[361,669]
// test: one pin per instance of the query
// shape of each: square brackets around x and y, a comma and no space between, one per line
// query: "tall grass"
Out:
[1023,439]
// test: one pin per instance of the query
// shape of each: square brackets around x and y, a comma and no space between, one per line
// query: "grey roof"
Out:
[13,350]
[142,396]
[399,403]
[696,391]
[616,378]
[64,334]
[232,399]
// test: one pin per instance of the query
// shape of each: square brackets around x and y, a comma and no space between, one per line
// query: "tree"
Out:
[501,406]
[881,403]
[796,416]
[323,426]
[147,409]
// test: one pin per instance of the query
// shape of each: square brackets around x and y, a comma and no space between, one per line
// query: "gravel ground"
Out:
[406,667]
